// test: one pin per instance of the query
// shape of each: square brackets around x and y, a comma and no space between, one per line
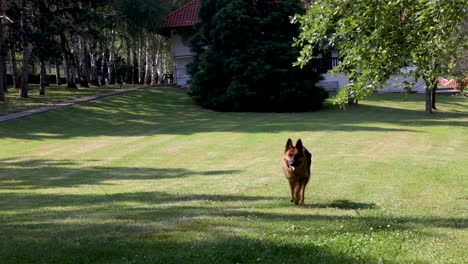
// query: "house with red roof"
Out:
[178,27]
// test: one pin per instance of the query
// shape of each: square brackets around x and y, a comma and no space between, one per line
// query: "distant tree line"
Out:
[96,42]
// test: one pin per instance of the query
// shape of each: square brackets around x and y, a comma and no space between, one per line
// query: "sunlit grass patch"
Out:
[54,94]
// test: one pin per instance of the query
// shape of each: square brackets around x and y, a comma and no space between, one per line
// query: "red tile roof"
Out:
[186,16]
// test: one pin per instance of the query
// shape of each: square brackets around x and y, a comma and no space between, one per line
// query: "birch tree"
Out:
[58,77]
[95,69]
[2,53]
[156,55]
[128,60]
[14,66]
[112,69]
[148,61]
[141,59]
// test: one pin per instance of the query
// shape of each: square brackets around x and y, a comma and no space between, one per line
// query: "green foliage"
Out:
[244,58]
[376,38]
[460,69]
[46,24]
[175,4]
[140,15]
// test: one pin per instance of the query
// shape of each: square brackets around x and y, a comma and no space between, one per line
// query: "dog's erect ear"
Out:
[288,144]
[299,145]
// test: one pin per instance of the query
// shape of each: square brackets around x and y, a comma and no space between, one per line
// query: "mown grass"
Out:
[147,177]
[54,94]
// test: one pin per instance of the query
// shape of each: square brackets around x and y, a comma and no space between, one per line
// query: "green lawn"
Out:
[54,94]
[147,177]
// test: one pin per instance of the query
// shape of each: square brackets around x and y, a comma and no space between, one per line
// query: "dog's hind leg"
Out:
[303,186]
[302,190]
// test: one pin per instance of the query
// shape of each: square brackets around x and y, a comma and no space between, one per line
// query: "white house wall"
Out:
[334,82]
[181,55]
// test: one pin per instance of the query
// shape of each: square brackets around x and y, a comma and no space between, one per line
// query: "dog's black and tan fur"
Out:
[296,166]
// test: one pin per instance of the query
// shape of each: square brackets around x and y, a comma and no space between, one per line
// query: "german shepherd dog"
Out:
[296,166]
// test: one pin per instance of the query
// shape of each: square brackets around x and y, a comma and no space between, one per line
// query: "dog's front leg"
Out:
[291,188]
[297,191]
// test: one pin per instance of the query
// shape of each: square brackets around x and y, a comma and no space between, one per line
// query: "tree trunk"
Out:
[66,68]
[119,75]
[83,66]
[4,64]
[141,58]
[103,59]
[14,67]
[77,57]
[68,60]
[129,74]
[58,80]
[135,62]
[428,98]
[112,71]
[43,78]
[433,96]
[73,61]
[94,64]
[160,63]
[2,59]
[154,69]
[86,62]
[33,64]
[105,68]
[148,62]
[155,53]
[23,89]
[2,89]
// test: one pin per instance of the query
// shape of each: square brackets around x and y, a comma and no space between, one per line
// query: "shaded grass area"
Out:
[147,177]
[54,94]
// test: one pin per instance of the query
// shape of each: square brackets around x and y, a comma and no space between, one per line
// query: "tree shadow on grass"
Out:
[165,205]
[151,248]
[39,173]
[169,111]
[345,205]
[195,228]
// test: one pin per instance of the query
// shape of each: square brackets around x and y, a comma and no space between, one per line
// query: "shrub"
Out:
[244,58]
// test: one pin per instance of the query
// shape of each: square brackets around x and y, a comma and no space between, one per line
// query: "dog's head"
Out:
[294,155]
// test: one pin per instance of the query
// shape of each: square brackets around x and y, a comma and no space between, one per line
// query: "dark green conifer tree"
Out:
[244,58]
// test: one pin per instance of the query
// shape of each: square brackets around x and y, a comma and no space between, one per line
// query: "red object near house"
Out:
[448,83]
